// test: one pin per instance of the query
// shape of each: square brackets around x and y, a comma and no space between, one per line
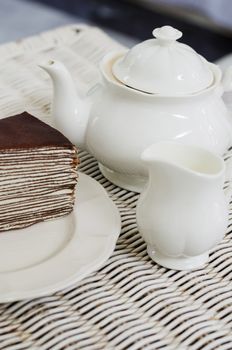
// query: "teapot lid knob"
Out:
[167,34]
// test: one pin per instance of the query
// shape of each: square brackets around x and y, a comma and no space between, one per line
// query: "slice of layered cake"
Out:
[38,172]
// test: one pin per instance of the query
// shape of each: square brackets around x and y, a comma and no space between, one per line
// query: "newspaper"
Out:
[24,86]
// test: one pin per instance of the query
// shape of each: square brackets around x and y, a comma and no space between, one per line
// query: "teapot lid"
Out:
[163,66]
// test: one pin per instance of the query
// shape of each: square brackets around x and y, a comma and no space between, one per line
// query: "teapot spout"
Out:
[70,112]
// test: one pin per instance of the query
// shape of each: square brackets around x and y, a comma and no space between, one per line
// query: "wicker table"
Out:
[131,302]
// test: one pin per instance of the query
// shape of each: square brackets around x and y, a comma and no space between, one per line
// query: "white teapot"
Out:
[160,90]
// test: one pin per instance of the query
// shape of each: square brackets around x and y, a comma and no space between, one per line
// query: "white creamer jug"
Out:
[183,211]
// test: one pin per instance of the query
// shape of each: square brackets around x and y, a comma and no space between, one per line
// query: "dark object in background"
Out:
[135,20]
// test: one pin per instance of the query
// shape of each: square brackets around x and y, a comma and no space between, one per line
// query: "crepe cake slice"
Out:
[38,172]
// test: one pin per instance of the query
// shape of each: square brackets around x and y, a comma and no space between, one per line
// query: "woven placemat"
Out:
[131,302]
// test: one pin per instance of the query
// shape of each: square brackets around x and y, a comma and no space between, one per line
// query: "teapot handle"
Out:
[227,79]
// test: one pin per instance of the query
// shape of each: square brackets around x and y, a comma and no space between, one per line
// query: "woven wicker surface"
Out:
[131,302]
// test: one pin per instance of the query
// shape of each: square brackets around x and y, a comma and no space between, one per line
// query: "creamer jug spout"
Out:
[70,112]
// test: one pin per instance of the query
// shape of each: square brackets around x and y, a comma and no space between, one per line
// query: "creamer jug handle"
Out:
[228,193]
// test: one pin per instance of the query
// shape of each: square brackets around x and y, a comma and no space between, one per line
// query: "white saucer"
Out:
[52,255]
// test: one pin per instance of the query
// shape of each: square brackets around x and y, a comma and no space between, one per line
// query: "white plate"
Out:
[52,255]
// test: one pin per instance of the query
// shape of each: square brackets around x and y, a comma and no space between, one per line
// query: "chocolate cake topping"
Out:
[26,131]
